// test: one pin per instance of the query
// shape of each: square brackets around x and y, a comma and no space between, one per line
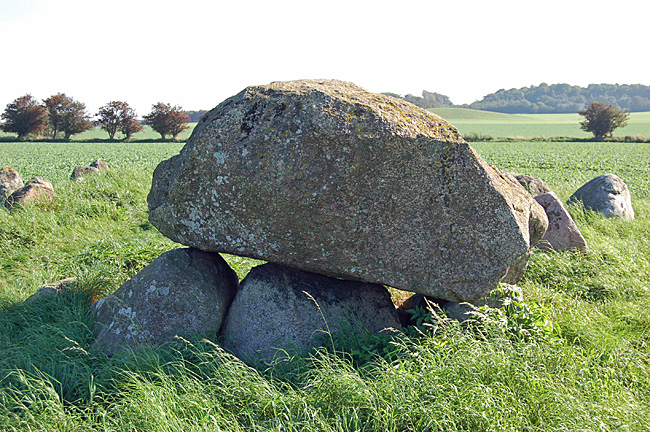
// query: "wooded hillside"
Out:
[545,98]
[565,98]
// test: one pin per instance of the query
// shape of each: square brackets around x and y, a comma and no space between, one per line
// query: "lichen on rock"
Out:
[326,177]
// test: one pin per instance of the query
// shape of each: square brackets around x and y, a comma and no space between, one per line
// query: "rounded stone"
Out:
[606,194]
[280,309]
[184,292]
[10,182]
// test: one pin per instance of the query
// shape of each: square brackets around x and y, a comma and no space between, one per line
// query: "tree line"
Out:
[546,99]
[565,98]
[426,101]
[63,115]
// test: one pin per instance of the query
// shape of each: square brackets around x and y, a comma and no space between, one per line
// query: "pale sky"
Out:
[196,53]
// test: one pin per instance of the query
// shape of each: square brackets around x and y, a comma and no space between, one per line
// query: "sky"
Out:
[196,53]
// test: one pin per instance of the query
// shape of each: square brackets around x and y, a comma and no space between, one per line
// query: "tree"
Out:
[130,124]
[167,120]
[436,100]
[601,119]
[55,106]
[118,116]
[66,115]
[24,116]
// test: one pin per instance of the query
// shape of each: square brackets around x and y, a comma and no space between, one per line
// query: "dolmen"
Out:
[323,176]
[343,192]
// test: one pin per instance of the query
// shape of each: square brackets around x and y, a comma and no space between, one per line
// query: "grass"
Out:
[502,125]
[55,161]
[573,357]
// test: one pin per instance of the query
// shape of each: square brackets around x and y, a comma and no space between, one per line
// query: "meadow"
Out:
[573,356]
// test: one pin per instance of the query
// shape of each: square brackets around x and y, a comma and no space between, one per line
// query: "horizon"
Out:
[197,55]
[455,105]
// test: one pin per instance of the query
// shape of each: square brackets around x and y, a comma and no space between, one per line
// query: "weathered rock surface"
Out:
[100,164]
[35,189]
[607,194]
[326,177]
[183,292]
[517,269]
[279,308]
[82,171]
[10,182]
[535,186]
[562,233]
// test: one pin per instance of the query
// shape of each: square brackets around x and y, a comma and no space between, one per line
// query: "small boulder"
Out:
[459,311]
[535,186]
[607,194]
[52,289]
[415,302]
[10,182]
[100,164]
[183,292]
[562,233]
[36,189]
[82,171]
[497,299]
[279,308]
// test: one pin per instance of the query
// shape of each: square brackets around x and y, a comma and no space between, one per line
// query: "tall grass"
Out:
[586,369]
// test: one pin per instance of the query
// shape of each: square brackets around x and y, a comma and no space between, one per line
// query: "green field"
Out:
[100,134]
[501,125]
[468,121]
[574,356]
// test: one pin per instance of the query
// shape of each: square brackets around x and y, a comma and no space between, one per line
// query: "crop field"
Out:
[573,356]
[468,121]
[55,161]
[501,125]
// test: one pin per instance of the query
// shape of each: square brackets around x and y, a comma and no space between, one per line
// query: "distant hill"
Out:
[564,98]
[545,99]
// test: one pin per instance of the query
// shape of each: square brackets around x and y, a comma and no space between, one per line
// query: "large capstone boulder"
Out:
[10,182]
[607,194]
[562,233]
[36,189]
[324,176]
[184,292]
[278,309]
